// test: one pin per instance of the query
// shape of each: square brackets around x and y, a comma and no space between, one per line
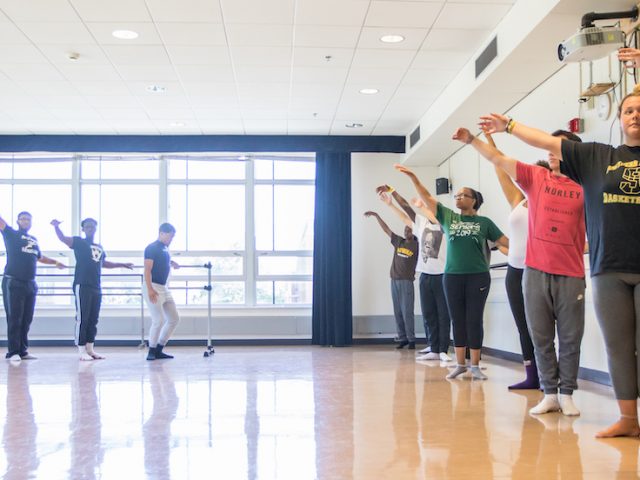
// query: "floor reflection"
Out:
[291,413]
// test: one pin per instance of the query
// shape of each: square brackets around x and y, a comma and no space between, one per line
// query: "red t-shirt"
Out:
[555,243]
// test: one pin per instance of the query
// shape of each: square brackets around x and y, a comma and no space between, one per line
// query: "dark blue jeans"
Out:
[402,294]
[435,314]
[19,298]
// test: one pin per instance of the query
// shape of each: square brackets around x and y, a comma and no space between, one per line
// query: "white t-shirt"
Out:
[433,246]
[518,228]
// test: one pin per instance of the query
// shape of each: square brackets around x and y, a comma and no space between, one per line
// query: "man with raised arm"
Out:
[19,286]
[90,258]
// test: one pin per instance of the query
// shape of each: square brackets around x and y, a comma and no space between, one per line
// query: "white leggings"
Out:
[164,315]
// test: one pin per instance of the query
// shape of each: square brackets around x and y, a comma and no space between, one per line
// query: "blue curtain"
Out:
[331,312]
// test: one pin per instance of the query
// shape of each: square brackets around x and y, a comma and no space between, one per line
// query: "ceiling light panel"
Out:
[413,38]
[103,32]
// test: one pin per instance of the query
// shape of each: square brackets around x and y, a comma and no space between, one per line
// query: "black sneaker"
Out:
[412,346]
[403,344]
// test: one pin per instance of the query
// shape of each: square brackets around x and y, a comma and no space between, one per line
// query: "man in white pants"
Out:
[164,315]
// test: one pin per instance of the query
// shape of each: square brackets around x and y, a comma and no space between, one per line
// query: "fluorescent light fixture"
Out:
[156,89]
[392,38]
[353,125]
[369,91]
[125,34]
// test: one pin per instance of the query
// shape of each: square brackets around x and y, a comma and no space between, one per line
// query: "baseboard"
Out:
[589,374]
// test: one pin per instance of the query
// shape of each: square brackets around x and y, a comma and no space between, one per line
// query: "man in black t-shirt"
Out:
[90,258]
[19,287]
[403,272]
[164,314]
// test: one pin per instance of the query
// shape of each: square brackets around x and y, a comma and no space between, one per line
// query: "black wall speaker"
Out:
[442,185]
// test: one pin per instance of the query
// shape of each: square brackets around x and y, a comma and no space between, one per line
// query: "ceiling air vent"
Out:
[414,137]
[487,56]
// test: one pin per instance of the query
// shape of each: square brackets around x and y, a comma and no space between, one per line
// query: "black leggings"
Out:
[466,296]
[513,284]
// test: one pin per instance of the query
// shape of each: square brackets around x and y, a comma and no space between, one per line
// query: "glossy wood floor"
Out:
[291,413]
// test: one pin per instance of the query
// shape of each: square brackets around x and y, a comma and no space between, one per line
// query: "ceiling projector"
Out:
[591,43]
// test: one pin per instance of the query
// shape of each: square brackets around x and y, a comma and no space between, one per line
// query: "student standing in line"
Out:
[554,275]
[90,258]
[610,177]
[403,273]
[19,288]
[466,278]
[164,314]
[431,261]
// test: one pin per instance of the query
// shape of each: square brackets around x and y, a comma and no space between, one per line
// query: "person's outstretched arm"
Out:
[68,241]
[383,225]
[400,200]
[107,264]
[386,199]
[512,193]
[51,261]
[492,154]
[430,201]
[494,122]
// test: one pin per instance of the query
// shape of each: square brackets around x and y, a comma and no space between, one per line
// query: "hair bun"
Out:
[636,89]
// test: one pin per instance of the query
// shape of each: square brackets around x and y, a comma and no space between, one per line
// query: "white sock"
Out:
[548,404]
[567,406]
[476,373]
[459,370]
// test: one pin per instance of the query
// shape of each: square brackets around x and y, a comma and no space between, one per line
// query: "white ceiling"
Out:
[232,66]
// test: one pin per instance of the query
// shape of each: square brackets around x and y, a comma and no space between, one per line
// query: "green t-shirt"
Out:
[467,237]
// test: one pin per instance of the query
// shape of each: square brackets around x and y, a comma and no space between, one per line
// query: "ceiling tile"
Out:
[455,40]
[29,71]
[326,36]
[242,35]
[277,12]
[322,57]
[370,58]
[110,101]
[125,113]
[266,113]
[316,90]
[267,56]
[174,114]
[318,115]
[402,14]
[191,33]
[150,73]
[74,72]
[137,55]
[470,16]
[219,90]
[309,127]
[416,93]
[374,77]
[323,74]
[429,76]
[97,127]
[112,10]
[39,10]
[251,73]
[339,127]
[101,88]
[263,90]
[68,101]
[201,73]
[194,55]
[221,127]
[20,54]
[216,113]
[185,11]
[11,35]
[436,59]
[331,12]
[265,127]
[57,32]
[88,54]
[140,89]
[76,113]
[103,33]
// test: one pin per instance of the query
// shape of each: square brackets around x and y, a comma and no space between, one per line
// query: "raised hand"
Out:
[631,57]
[385,197]
[463,135]
[384,189]
[55,223]
[493,123]
[369,213]
[418,202]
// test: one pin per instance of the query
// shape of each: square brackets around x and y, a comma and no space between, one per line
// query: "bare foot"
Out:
[85,357]
[625,427]
[96,356]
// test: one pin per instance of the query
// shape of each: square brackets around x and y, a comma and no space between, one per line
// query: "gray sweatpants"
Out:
[616,298]
[402,294]
[164,315]
[550,302]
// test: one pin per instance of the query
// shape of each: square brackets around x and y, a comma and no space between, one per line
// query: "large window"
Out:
[248,216]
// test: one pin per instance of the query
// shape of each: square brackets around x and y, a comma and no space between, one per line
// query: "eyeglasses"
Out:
[462,195]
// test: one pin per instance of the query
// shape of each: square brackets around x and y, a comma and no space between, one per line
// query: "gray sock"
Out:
[459,370]
[476,373]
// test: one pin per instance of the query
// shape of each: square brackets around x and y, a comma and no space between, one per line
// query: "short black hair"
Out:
[167,228]
[88,220]
[566,134]
[24,212]
[543,164]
